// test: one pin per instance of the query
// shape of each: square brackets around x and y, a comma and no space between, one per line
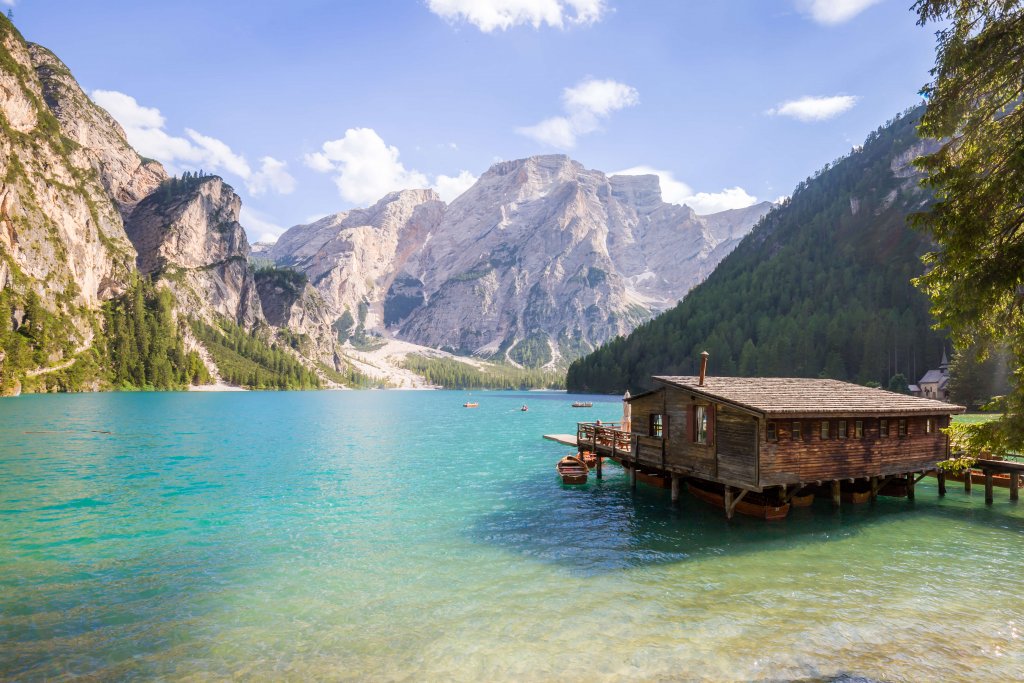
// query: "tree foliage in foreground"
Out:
[976,275]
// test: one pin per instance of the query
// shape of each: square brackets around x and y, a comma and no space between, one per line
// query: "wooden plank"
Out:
[564,439]
[1000,465]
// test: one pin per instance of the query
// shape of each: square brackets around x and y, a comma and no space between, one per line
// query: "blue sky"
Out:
[311,107]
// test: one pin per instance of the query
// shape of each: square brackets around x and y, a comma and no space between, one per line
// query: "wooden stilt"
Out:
[836,499]
[967,480]
[988,487]
[910,485]
[728,502]
[874,488]
[675,488]
[941,476]
[1014,485]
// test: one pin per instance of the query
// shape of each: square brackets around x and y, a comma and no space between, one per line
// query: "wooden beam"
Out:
[941,476]
[910,485]
[988,487]
[675,488]
[874,488]
[836,498]
[732,502]
[967,480]
[1014,485]
[920,477]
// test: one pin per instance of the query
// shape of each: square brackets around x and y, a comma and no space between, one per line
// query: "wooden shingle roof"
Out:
[784,396]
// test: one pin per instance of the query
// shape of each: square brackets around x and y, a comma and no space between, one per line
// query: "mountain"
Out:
[110,269]
[538,262]
[821,287]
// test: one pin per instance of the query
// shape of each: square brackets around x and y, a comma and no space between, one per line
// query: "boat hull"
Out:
[757,508]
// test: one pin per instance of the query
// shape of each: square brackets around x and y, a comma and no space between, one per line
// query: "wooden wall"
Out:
[740,453]
[786,461]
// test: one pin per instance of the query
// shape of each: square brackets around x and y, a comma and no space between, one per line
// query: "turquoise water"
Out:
[398,536]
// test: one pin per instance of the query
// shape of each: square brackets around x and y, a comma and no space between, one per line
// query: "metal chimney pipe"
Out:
[703,367]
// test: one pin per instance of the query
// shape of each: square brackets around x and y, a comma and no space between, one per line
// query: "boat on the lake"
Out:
[752,504]
[590,459]
[572,469]
[582,404]
[470,404]
[524,408]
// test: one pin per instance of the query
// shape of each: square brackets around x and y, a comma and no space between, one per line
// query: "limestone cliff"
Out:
[538,262]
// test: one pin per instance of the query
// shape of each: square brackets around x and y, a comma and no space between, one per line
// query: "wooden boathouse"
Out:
[773,439]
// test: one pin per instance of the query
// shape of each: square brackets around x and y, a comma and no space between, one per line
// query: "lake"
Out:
[398,536]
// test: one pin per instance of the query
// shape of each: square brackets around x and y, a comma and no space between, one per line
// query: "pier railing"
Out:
[607,434]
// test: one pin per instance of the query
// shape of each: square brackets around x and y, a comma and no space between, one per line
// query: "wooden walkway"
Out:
[564,439]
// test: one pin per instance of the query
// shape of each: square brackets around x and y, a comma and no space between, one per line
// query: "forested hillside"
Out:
[821,287]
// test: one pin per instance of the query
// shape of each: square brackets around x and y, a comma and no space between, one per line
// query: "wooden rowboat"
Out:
[804,501]
[470,404]
[582,404]
[752,505]
[589,458]
[572,469]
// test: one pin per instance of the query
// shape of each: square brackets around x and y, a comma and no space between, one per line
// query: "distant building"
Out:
[935,383]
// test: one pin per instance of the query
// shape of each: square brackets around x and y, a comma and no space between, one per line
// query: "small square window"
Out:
[883,428]
[655,430]
[903,427]
[796,431]
[929,426]
[773,434]
[824,430]
[858,429]
[841,430]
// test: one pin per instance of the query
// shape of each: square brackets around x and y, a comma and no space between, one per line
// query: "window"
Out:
[824,430]
[656,426]
[841,430]
[796,431]
[858,429]
[700,433]
[773,434]
[903,427]
[929,426]
[883,428]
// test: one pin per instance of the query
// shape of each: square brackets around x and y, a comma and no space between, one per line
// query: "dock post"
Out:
[968,473]
[675,488]
[1014,485]
[632,476]
[874,489]
[728,502]
[600,474]
[988,487]
[941,476]
[836,499]
[910,485]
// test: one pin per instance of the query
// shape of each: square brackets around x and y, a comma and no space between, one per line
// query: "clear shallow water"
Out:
[398,536]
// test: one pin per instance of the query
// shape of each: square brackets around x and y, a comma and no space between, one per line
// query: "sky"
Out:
[316,106]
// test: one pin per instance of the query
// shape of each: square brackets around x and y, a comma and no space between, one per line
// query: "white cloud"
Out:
[585,105]
[488,15]
[259,224]
[218,155]
[449,188]
[832,12]
[144,127]
[815,108]
[677,192]
[273,175]
[366,168]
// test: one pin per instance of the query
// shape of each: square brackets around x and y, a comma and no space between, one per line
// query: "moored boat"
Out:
[582,404]
[470,404]
[753,504]
[524,408]
[589,458]
[572,469]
